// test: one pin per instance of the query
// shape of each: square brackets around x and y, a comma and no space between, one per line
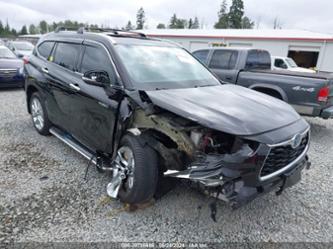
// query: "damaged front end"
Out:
[233,168]
[250,169]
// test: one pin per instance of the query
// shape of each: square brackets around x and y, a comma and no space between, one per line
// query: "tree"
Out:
[173,22]
[236,14]
[190,23]
[2,29]
[160,26]
[129,26]
[181,24]
[247,23]
[140,19]
[277,24]
[223,22]
[7,29]
[32,29]
[195,24]
[24,30]
[43,27]
[13,32]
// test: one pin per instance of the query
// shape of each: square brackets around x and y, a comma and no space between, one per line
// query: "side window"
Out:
[258,59]
[233,60]
[66,55]
[201,55]
[96,59]
[223,59]
[280,63]
[45,49]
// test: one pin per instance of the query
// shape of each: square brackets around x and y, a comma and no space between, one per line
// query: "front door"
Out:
[95,113]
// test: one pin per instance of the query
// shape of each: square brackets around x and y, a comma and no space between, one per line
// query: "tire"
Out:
[39,115]
[145,172]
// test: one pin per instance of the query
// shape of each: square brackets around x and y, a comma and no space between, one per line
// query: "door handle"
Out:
[75,87]
[228,78]
[45,70]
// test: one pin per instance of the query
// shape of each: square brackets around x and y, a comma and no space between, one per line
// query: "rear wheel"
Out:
[140,181]
[39,114]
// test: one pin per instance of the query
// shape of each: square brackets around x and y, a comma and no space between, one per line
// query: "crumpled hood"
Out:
[228,108]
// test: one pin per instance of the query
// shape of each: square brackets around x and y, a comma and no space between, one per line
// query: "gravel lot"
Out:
[43,196]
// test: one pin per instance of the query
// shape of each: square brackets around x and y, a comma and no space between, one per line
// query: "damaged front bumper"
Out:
[238,178]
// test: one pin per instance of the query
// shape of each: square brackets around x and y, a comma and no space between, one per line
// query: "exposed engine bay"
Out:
[220,164]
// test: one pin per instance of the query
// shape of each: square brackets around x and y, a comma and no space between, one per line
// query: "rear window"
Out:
[223,59]
[45,49]
[258,59]
[201,55]
[66,55]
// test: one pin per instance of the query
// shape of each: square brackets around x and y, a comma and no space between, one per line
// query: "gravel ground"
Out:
[43,196]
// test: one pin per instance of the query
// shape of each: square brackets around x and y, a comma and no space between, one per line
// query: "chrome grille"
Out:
[281,156]
[8,73]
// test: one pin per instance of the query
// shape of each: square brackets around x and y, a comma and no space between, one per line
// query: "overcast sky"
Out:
[292,14]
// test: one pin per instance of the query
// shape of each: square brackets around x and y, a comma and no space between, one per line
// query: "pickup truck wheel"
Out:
[142,172]
[39,115]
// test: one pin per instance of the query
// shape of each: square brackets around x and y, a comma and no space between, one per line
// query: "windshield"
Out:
[6,53]
[291,62]
[23,46]
[154,67]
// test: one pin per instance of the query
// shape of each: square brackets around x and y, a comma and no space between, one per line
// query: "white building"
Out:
[308,49]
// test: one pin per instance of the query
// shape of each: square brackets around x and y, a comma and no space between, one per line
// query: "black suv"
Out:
[143,108]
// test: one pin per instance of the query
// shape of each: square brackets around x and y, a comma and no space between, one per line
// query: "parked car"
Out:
[20,48]
[310,94]
[142,108]
[286,63]
[11,69]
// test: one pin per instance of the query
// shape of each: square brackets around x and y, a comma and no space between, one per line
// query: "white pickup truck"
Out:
[286,63]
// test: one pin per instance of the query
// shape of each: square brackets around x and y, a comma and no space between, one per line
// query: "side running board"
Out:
[67,139]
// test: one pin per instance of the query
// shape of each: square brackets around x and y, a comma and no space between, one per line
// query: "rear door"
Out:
[63,79]
[223,64]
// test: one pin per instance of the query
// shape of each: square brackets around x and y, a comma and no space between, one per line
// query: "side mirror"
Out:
[20,55]
[96,78]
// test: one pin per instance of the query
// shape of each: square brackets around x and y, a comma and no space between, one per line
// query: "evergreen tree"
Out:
[181,24]
[2,29]
[24,30]
[129,26]
[7,29]
[13,32]
[43,27]
[140,19]
[236,14]
[195,24]
[160,26]
[173,22]
[190,23]
[223,22]
[247,23]
[32,29]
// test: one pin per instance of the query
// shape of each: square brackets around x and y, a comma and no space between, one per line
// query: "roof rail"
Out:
[63,28]
[117,32]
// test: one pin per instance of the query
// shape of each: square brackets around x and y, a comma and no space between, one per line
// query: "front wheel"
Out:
[140,182]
